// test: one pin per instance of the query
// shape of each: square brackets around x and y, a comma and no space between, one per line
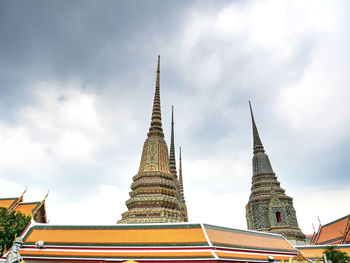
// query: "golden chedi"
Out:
[154,195]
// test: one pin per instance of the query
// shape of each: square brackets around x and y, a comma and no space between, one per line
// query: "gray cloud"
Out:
[76,89]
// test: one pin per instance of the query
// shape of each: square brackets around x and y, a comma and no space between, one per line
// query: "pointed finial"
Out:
[25,190]
[46,195]
[172,161]
[156,122]
[258,147]
[21,198]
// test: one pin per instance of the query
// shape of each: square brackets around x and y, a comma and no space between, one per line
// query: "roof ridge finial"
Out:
[48,191]
[257,145]
[156,122]
[25,190]
[172,161]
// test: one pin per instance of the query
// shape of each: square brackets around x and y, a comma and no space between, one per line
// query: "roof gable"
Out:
[332,232]
[27,208]
[8,202]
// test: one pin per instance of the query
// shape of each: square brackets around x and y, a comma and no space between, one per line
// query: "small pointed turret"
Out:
[172,161]
[156,122]
[258,147]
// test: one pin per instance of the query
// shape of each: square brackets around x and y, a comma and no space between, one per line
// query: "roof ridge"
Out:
[9,198]
[30,203]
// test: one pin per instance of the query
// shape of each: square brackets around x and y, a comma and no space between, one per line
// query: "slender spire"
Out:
[180,177]
[258,147]
[183,202]
[156,122]
[172,161]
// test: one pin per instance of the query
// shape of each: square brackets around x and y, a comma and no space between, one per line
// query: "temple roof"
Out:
[316,252]
[335,232]
[152,241]
[35,209]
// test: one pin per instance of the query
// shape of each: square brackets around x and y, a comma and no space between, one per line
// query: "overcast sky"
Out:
[76,91]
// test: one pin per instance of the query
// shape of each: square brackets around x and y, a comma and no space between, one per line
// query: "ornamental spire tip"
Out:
[257,145]
[156,122]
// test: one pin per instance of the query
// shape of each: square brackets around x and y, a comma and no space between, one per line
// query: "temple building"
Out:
[269,209]
[155,195]
[35,209]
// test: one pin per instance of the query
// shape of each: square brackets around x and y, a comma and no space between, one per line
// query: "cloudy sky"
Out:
[77,83]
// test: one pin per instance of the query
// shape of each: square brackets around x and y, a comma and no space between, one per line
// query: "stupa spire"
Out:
[180,176]
[172,161]
[257,145]
[183,205]
[156,122]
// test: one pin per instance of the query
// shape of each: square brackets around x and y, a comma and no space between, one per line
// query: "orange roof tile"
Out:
[7,202]
[27,208]
[119,234]
[331,232]
[249,239]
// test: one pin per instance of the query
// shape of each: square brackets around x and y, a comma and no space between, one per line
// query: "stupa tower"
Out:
[269,209]
[153,196]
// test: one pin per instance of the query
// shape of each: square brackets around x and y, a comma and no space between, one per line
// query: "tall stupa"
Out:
[269,209]
[154,196]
